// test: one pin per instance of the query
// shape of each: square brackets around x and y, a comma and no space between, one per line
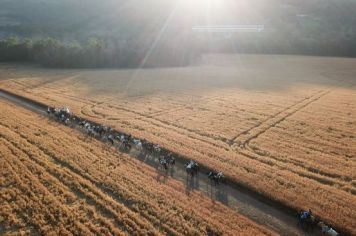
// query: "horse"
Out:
[62,118]
[129,138]
[126,145]
[90,131]
[107,130]
[306,219]
[64,112]
[192,168]
[111,139]
[97,129]
[66,121]
[82,123]
[217,177]
[163,162]
[118,138]
[138,144]
[101,130]
[156,149]
[88,126]
[327,230]
[75,120]
[171,160]
[57,112]
[50,110]
[121,138]
[147,146]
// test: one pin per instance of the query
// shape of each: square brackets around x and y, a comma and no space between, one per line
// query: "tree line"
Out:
[100,53]
[93,53]
[51,52]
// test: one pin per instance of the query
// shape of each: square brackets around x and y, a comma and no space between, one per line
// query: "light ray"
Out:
[153,45]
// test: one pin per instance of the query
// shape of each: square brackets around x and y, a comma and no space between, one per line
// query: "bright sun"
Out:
[217,11]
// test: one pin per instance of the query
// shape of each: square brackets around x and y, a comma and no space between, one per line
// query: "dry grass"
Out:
[53,181]
[283,125]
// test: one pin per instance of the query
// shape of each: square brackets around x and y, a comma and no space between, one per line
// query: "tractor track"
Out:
[255,131]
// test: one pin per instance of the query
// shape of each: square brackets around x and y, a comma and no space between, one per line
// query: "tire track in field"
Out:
[89,111]
[321,177]
[175,128]
[51,80]
[150,120]
[29,89]
[249,152]
[246,144]
[71,97]
[307,143]
[37,84]
[91,107]
[246,136]
[153,117]
[245,149]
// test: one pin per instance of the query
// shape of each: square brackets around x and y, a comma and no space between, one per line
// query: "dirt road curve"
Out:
[258,208]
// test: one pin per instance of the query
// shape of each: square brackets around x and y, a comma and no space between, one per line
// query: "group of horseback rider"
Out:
[62,114]
[165,158]
[216,177]
[307,220]
[167,161]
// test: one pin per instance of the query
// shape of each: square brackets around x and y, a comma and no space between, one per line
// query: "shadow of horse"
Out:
[189,184]
[161,176]
[221,194]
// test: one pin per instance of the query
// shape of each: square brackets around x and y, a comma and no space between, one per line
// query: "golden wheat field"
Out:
[284,126]
[55,181]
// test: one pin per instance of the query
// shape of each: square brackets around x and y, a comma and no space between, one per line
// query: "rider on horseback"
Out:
[305,214]
[192,167]
[163,162]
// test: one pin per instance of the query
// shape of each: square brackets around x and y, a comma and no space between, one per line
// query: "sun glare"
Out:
[219,12]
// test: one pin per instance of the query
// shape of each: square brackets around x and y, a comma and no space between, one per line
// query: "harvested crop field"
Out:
[284,126]
[53,180]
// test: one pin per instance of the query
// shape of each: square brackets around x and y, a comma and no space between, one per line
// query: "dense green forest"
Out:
[130,33]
